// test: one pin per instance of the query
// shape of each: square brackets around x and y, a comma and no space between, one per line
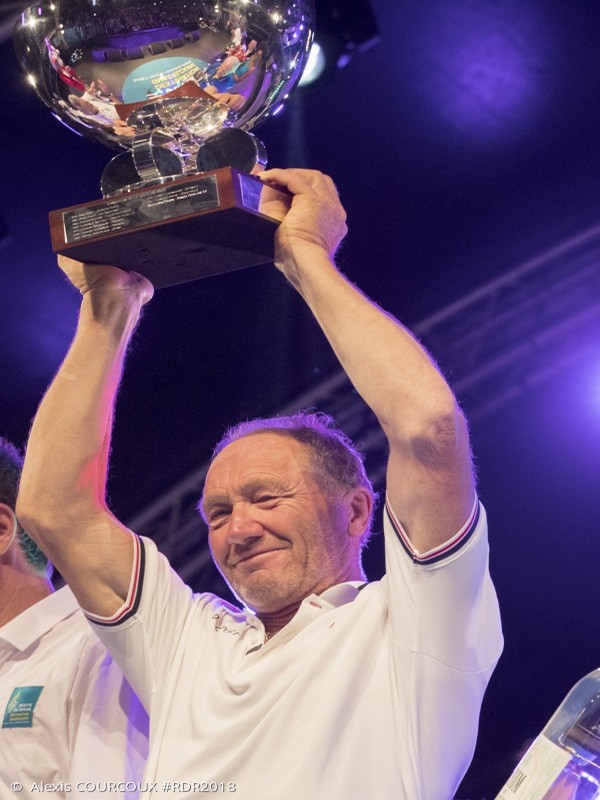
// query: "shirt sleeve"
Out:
[442,603]
[447,638]
[107,727]
[144,635]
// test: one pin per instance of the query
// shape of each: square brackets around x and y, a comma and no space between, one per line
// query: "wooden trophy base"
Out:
[181,230]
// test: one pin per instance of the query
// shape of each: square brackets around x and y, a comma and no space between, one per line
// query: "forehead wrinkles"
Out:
[236,473]
[248,486]
[271,451]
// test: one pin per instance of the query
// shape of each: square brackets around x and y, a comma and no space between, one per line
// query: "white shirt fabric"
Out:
[368,692]
[87,726]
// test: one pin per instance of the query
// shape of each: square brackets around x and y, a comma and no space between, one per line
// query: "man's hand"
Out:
[103,279]
[314,215]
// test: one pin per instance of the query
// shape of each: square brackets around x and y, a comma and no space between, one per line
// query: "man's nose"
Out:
[243,526]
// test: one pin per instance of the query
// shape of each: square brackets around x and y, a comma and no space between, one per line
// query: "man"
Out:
[69,721]
[322,688]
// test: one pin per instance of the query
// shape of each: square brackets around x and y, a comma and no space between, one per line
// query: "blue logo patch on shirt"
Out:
[19,709]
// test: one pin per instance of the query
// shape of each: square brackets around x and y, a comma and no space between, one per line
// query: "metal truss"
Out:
[493,345]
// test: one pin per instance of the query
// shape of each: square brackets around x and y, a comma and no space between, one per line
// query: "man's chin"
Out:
[262,594]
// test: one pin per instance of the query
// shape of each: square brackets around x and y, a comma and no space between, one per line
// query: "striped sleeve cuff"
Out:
[131,604]
[444,551]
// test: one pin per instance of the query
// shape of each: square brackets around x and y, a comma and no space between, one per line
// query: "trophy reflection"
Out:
[176,87]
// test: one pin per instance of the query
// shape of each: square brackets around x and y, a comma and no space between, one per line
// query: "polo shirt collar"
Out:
[340,594]
[334,597]
[26,628]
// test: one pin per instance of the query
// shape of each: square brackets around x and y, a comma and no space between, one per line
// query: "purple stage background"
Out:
[466,142]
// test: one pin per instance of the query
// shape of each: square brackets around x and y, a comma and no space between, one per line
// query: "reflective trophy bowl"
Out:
[145,76]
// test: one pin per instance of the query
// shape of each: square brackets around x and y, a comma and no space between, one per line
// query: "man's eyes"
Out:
[218,514]
[267,500]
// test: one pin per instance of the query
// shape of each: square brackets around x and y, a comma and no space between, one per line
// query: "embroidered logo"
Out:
[222,626]
[19,709]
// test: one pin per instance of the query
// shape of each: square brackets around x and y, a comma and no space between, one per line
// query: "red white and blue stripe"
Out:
[130,606]
[445,550]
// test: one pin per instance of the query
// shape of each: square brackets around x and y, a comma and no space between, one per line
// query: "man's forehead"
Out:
[257,459]
[263,444]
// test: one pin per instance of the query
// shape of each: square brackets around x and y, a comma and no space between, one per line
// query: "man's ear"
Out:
[8,527]
[361,505]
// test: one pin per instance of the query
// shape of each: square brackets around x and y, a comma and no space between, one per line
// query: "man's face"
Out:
[274,533]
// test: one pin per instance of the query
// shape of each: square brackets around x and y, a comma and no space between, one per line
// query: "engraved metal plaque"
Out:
[186,229]
[170,201]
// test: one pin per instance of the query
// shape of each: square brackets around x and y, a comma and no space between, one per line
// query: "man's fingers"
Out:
[66,263]
[296,181]
[103,277]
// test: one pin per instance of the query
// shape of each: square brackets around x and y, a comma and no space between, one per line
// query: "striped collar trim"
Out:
[445,550]
[131,604]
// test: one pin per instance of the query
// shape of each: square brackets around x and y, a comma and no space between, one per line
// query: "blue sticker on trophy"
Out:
[20,707]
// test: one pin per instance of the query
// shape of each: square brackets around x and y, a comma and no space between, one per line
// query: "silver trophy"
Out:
[176,86]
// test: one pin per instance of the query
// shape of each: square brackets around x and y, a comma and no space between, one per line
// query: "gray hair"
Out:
[338,464]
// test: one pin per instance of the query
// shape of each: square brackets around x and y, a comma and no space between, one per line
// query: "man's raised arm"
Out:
[62,497]
[61,500]
[430,478]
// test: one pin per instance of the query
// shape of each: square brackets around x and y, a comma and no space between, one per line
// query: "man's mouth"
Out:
[255,554]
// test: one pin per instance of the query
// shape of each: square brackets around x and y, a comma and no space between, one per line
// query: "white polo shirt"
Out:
[368,692]
[67,715]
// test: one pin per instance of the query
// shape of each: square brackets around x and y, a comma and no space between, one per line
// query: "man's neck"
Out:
[275,621]
[19,591]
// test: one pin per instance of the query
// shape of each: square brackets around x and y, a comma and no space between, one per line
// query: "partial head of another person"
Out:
[32,558]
